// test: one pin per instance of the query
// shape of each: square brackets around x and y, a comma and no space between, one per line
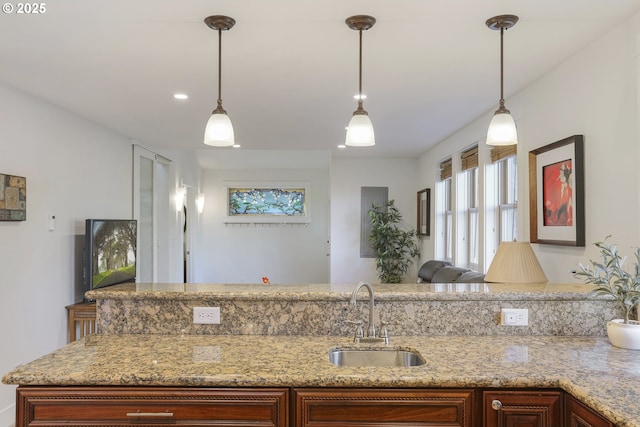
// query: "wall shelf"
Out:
[258,224]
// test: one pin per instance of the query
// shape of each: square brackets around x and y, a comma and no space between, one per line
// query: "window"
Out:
[507,192]
[445,213]
[469,165]
[476,205]
[473,221]
[448,221]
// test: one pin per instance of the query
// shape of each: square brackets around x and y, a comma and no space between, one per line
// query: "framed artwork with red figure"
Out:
[556,193]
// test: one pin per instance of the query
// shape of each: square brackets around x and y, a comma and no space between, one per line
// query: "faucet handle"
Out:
[384,333]
[359,330]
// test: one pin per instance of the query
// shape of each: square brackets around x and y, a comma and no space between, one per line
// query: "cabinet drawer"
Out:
[333,407]
[120,406]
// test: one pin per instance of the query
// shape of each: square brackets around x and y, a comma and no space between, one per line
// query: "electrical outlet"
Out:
[206,315]
[515,316]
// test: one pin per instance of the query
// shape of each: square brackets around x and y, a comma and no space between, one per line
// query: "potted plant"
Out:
[611,278]
[394,248]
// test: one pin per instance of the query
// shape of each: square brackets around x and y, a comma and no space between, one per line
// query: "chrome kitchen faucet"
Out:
[371,334]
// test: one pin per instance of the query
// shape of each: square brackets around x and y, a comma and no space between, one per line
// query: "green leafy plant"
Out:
[610,277]
[394,248]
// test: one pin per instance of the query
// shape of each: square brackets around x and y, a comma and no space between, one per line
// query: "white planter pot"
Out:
[624,335]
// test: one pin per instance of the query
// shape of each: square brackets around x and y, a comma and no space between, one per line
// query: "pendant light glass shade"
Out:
[360,129]
[219,130]
[502,129]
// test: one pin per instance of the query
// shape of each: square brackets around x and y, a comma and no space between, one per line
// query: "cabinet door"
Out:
[522,408]
[336,407]
[579,415]
[151,406]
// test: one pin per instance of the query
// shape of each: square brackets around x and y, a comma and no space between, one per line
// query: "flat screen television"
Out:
[110,252]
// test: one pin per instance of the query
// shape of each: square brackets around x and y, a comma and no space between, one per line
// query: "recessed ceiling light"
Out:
[342,146]
[236,145]
[180,96]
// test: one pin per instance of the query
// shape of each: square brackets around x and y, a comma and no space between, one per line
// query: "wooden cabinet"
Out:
[340,407]
[151,406]
[522,408]
[107,406]
[579,415]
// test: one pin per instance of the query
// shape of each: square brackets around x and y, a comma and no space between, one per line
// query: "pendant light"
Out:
[502,129]
[219,130]
[360,129]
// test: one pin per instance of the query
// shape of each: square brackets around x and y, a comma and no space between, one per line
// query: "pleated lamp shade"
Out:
[515,262]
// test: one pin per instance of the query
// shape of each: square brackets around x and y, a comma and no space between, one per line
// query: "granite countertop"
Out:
[603,377]
[342,292]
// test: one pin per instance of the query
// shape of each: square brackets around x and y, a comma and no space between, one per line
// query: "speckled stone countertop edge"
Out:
[343,292]
[603,377]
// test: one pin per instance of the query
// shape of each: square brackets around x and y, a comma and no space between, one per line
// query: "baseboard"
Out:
[8,416]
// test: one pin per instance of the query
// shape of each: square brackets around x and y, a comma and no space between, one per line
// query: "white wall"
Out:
[348,175]
[244,253]
[300,254]
[594,93]
[75,169]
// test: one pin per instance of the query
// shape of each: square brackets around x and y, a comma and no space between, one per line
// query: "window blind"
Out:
[445,170]
[469,158]
[502,152]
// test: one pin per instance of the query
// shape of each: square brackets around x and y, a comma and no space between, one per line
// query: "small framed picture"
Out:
[13,198]
[424,207]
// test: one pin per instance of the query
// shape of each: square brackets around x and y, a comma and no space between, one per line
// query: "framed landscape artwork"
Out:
[276,202]
[556,193]
[267,201]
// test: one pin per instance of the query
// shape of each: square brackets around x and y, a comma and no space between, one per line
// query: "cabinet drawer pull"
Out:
[496,404]
[149,414]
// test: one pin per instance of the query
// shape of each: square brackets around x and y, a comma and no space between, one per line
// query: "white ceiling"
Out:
[290,67]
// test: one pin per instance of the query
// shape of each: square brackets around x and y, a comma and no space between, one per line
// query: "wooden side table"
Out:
[81,319]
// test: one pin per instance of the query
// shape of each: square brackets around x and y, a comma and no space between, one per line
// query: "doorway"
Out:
[151,207]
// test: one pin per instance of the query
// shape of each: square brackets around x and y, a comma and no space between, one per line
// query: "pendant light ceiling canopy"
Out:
[219,130]
[502,129]
[360,129]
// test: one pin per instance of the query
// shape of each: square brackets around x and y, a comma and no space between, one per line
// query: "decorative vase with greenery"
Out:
[611,278]
[394,248]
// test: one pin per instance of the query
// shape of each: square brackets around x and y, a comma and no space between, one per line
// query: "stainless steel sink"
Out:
[375,357]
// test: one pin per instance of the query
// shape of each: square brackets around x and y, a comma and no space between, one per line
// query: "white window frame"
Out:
[472,214]
[507,192]
[447,192]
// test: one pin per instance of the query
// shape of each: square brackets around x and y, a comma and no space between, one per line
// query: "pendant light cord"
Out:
[501,67]
[360,74]
[219,68]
